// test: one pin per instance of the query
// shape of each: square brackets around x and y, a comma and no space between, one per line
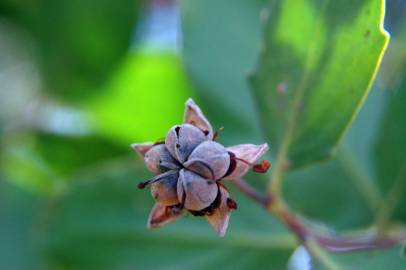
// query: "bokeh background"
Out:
[82,80]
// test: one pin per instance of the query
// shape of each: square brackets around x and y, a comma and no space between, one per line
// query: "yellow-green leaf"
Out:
[317,63]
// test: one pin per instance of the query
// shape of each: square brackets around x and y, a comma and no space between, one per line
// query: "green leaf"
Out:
[44,162]
[390,158]
[79,42]
[22,165]
[364,184]
[219,48]
[347,192]
[316,66]
[101,224]
[18,220]
[393,258]
[143,99]
[338,203]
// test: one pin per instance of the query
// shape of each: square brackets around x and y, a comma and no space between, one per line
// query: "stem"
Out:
[323,258]
[248,190]
[335,242]
[385,212]
[306,232]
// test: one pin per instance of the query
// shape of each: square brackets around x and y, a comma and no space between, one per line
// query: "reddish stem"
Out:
[305,231]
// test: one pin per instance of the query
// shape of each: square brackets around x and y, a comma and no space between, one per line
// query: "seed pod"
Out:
[158,159]
[161,215]
[194,116]
[246,155]
[142,148]
[181,140]
[195,192]
[164,190]
[209,159]
[221,215]
[189,168]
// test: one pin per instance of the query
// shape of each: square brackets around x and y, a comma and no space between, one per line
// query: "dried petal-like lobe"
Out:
[158,159]
[161,215]
[164,190]
[221,215]
[181,140]
[195,192]
[194,116]
[209,159]
[142,148]
[249,153]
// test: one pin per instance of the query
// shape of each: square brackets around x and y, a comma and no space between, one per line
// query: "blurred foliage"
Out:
[79,42]
[390,155]
[346,184]
[220,45]
[143,100]
[68,197]
[393,258]
[19,211]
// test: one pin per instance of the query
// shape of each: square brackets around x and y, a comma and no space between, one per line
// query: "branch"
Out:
[335,242]
[306,232]
[259,197]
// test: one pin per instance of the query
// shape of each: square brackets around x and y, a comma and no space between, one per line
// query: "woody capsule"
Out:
[189,168]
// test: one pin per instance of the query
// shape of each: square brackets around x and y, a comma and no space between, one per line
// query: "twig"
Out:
[306,232]
[248,190]
[335,242]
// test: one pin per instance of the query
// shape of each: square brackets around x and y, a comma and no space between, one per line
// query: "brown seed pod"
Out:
[142,148]
[161,215]
[164,191]
[158,159]
[195,192]
[188,168]
[181,140]
[209,159]
[220,216]
[194,116]
[245,156]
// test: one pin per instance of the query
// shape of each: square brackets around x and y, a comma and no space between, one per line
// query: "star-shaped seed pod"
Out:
[189,168]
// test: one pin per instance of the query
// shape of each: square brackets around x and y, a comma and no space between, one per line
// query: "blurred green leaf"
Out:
[338,203]
[45,163]
[390,157]
[347,192]
[79,42]
[219,47]
[315,69]
[394,259]
[144,98]
[101,224]
[19,211]
[67,155]
[22,165]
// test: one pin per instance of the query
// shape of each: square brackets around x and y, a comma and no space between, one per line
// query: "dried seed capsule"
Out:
[164,190]
[245,157]
[194,116]
[221,215]
[158,159]
[209,159]
[161,215]
[195,192]
[188,168]
[142,148]
[181,140]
